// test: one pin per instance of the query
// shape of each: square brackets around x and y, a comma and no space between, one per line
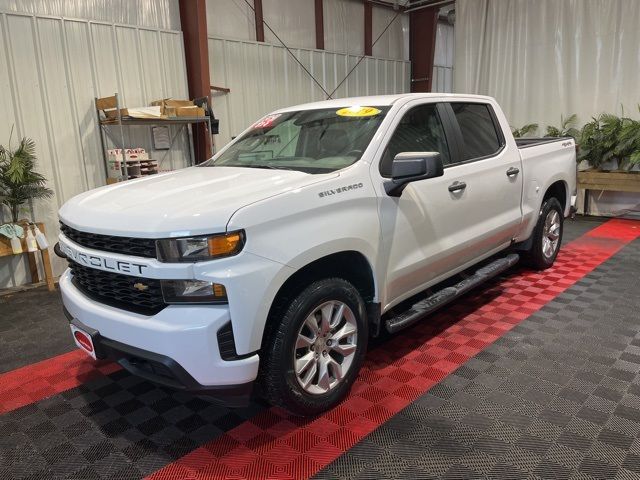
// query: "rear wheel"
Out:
[313,356]
[547,236]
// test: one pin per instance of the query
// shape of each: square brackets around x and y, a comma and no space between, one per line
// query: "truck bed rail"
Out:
[527,142]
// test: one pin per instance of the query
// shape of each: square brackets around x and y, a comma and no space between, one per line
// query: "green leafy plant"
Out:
[525,130]
[628,146]
[600,139]
[591,148]
[19,182]
[566,128]
[611,128]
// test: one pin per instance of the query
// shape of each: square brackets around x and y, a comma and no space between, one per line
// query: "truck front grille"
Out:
[139,247]
[135,294]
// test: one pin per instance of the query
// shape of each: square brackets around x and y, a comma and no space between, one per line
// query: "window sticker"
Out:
[267,121]
[358,111]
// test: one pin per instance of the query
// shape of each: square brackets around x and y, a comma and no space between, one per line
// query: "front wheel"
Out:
[313,356]
[547,236]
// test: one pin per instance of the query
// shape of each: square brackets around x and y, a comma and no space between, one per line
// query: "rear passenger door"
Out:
[441,225]
[492,174]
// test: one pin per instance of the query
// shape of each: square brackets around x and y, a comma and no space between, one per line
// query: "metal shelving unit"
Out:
[120,122]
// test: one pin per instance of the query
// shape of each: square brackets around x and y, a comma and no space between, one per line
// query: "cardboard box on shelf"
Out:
[191,111]
[113,113]
[158,103]
[171,102]
[172,107]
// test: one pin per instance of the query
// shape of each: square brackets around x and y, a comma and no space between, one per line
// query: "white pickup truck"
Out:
[318,227]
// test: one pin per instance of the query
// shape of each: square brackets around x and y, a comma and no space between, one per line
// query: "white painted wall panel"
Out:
[145,13]
[344,26]
[443,59]
[292,20]
[52,68]
[231,19]
[264,77]
[392,43]
[82,81]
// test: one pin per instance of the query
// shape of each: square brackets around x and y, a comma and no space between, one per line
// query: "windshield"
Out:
[311,141]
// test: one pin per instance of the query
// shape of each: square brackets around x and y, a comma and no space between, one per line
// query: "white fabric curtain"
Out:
[544,58]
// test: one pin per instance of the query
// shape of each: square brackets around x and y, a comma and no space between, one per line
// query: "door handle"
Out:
[513,171]
[457,186]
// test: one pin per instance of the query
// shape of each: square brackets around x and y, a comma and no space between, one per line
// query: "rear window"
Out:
[479,133]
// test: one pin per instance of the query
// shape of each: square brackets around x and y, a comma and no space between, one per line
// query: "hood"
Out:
[192,201]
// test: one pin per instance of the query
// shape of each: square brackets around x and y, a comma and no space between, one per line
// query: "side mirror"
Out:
[411,166]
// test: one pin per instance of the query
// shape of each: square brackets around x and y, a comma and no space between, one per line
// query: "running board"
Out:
[428,305]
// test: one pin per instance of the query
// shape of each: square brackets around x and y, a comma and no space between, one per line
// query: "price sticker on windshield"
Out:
[267,121]
[358,111]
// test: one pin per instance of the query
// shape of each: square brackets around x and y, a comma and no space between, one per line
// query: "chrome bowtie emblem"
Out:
[141,287]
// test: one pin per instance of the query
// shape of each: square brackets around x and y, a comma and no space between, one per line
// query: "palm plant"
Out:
[566,128]
[599,139]
[19,183]
[611,128]
[525,130]
[591,147]
[628,147]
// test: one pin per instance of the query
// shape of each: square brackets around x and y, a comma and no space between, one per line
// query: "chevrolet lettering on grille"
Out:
[96,261]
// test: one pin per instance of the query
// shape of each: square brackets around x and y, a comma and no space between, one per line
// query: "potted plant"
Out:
[566,128]
[628,147]
[19,182]
[525,130]
[599,142]
[609,143]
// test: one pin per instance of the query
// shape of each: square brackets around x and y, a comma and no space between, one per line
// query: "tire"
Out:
[290,357]
[546,239]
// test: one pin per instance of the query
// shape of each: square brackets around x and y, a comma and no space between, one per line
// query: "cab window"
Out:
[420,130]
[480,136]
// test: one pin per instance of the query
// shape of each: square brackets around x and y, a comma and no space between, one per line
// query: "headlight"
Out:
[193,291]
[196,249]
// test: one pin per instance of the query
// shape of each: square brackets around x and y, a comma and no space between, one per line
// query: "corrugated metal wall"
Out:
[144,13]
[264,77]
[443,59]
[343,25]
[52,70]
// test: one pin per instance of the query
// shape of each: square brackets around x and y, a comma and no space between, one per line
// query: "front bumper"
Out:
[182,338]
[161,369]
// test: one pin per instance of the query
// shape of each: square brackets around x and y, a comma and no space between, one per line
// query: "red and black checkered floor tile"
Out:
[535,375]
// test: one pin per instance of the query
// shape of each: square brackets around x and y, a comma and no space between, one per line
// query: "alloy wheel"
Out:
[551,234]
[325,347]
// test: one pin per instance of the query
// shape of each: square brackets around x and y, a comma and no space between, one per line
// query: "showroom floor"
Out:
[535,375]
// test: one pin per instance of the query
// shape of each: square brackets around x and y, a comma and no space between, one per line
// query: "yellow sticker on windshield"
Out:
[358,111]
